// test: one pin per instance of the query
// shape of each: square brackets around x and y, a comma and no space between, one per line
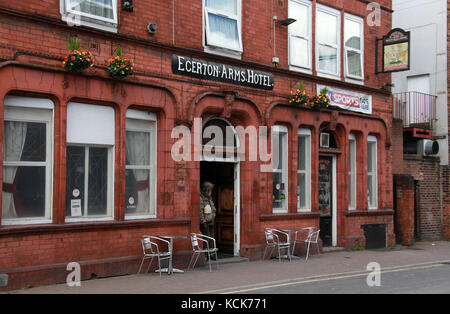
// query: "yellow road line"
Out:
[329,278]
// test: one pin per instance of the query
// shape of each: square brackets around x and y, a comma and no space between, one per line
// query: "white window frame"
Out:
[350,77]
[373,175]
[306,134]
[308,37]
[282,132]
[352,172]
[216,49]
[337,46]
[26,109]
[104,137]
[85,19]
[135,121]
[110,190]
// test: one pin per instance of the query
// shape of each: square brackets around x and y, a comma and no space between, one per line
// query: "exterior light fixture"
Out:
[287,21]
[284,22]
[127,5]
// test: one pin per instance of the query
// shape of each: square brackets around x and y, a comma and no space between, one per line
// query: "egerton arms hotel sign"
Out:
[206,70]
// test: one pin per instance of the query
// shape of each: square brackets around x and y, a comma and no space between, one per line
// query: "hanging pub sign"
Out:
[348,100]
[207,70]
[396,51]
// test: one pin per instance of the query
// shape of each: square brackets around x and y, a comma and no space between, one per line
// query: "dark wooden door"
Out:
[225,219]
[325,199]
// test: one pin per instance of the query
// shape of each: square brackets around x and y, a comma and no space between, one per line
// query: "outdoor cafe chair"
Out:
[313,237]
[208,248]
[153,247]
[299,236]
[277,239]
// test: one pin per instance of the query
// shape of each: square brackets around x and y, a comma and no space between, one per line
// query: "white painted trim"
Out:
[28,102]
[237,209]
[140,115]
[334,206]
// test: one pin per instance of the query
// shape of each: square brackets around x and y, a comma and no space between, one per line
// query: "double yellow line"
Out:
[305,281]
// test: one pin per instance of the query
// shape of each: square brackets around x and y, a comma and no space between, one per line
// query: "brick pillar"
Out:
[404,211]
[397,146]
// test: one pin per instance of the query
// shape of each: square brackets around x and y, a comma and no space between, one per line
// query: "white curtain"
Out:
[138,154]
[224,31]
[14,140]
[103,8]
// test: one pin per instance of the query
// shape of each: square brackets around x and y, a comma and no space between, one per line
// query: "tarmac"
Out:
[245,275]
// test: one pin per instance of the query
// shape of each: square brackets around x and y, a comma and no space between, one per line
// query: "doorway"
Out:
[224,176]
[327,200]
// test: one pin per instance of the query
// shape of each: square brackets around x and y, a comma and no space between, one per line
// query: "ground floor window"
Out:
[352,172]
[280,168]
[140,169]
[372,180]
[304,170]
[27,160]
[89,165]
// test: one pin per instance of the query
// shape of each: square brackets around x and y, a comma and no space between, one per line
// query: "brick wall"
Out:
[427,172]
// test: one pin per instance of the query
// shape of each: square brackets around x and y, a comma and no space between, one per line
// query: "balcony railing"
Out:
[415,109]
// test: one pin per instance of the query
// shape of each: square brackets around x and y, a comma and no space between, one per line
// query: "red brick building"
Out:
[87,164]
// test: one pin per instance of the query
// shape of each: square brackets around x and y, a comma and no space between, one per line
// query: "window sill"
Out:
[370,212]
[90,226]
[101,26]
[288,216]
[223,52]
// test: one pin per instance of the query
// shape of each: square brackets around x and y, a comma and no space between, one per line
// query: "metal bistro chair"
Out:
[313,237]
[273,241]
[299,236]
[197,250]
[151,249]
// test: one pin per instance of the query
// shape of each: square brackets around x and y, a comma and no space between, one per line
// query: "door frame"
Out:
[333,198]
[236,200]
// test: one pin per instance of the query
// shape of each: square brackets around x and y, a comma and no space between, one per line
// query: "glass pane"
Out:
[352,34]
[302,153]
[224,6]
[301,190]
[137,192]
[298,12]
[370,190]
[299,52]
[103,8]
[75,181]
[326,28]
[354,66]
[279,191]
[25,141]
[98,181]
[138,148]
[23,192]
[327,59]
[223,32]
[278,153]
[370,156]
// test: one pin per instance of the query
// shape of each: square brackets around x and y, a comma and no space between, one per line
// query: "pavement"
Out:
[253,276]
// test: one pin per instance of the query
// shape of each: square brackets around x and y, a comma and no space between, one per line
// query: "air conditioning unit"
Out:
[324,140]
[427,147]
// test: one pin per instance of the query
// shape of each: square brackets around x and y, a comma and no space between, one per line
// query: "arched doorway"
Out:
[220,165]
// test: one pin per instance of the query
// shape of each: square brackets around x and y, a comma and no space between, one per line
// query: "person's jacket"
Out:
[207,209]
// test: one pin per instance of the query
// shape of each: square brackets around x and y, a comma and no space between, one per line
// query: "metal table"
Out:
[170,270]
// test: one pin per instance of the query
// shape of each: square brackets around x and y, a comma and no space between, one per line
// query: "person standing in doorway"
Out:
[207,210]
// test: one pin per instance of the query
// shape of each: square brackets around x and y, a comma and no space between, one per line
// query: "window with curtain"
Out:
[89,162]
[372,180]
[223,24]
[327,40]
[300,34]
[352,172]
[280,168]
[304,170]
[91,13]
[27,164]
[140,169]
[353,46]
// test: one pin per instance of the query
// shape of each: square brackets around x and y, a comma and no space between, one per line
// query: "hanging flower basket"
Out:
[299,97]
[320,101]
[77,60]
[119,66]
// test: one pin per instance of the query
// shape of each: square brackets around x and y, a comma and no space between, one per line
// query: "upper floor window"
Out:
[353,46]
[93,13]
[327,40]
[300,35]
[222,24]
